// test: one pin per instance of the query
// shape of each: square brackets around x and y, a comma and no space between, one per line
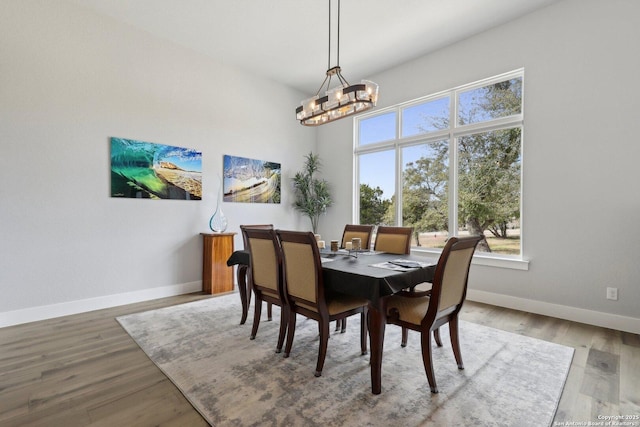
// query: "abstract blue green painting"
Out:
[144,170]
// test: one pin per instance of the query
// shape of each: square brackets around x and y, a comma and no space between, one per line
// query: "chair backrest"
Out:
[394,240]
[354,230]
[266,259]
[302,268]
[258,226]
[452,273]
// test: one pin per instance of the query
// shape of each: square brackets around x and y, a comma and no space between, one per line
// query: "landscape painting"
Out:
[144,170]
[251,181]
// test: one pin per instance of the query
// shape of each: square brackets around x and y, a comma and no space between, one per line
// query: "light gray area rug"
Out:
[508,380]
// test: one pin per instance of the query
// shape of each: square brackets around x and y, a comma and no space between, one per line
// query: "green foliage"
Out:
[488,170]
[312,196]
[372,206]
[489,180]
[425,193]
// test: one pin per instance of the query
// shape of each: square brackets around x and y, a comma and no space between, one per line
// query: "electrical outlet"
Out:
[612,293]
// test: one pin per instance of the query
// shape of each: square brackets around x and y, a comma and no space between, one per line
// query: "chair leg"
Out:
[344,326]
[405,336]
[338,324]
[242,290]
[322,351]
[427,360]
[284,320]
[363,332]
[455,341]
[436,336]
[256,317]
[291,330]
[269,314]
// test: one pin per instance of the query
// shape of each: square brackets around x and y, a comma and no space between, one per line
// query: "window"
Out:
[377,186]
[448,165]
[378,128]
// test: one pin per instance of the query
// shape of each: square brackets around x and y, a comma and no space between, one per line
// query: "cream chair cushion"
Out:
[344,303]
[264,266]
[391,243]
[453,280]
[412,310]
[301,270]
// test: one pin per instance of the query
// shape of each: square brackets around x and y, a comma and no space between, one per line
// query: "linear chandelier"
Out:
[343,100]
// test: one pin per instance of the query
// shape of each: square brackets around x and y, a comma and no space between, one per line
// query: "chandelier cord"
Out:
[338,47]
[329,56]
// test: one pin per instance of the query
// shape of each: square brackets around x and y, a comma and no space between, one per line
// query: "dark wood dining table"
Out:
[356,274]
[359,276]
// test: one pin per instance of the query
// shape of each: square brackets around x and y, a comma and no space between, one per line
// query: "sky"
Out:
[378,169]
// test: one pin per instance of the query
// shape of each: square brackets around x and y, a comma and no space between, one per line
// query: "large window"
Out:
[447,165]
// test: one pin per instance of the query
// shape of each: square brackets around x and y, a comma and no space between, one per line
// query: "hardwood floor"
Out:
[85,370]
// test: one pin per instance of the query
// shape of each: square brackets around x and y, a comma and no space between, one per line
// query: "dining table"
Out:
[374,276]
[366,274]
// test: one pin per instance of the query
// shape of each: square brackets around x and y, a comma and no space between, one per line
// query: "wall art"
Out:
[144,170]
[251,181]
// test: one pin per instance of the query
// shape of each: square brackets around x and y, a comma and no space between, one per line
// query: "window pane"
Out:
[494,101]
[489,189]
[424,193]
[378,128]
[377,188]
[424,118]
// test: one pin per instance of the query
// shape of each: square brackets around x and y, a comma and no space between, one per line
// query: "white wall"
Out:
[581,194]
[69,80]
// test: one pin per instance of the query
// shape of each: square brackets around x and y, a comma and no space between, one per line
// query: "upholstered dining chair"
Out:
[305,293]
[249,292]
[351,231]
[266,276]
[426,311]
[394,240]
[356,230]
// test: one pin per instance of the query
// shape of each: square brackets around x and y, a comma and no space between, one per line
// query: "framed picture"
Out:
[143,170]
[251,181]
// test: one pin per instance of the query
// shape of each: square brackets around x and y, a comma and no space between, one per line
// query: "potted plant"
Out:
[312,196]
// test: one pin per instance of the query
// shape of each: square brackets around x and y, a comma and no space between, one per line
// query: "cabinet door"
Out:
[217,277]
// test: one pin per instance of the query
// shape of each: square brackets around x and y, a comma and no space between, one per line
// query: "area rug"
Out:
[508,379]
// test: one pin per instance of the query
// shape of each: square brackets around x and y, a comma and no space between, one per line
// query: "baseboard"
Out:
[32,314]
[590,317]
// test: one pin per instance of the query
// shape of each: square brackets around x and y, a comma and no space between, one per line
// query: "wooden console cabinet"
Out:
[217,277]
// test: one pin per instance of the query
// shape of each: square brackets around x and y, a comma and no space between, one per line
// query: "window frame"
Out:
[452,134]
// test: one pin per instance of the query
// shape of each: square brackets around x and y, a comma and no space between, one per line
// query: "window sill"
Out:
[494,260]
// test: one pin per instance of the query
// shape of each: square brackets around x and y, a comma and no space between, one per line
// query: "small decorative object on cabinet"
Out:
[218,222]
[217,277]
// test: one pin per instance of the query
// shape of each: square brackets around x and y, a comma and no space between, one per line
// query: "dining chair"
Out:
[266,276]
[352,231]
[249,292]
[394,240]
[356,230]
[426,311]
[305,293]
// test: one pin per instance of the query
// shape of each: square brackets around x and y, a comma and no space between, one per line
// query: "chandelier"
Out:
[341,101]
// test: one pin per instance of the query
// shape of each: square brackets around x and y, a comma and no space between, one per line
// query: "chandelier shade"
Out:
[341,101]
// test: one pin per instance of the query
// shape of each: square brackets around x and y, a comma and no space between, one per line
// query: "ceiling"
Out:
[287,40]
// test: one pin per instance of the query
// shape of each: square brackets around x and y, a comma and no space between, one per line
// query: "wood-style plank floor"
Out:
[85,370]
